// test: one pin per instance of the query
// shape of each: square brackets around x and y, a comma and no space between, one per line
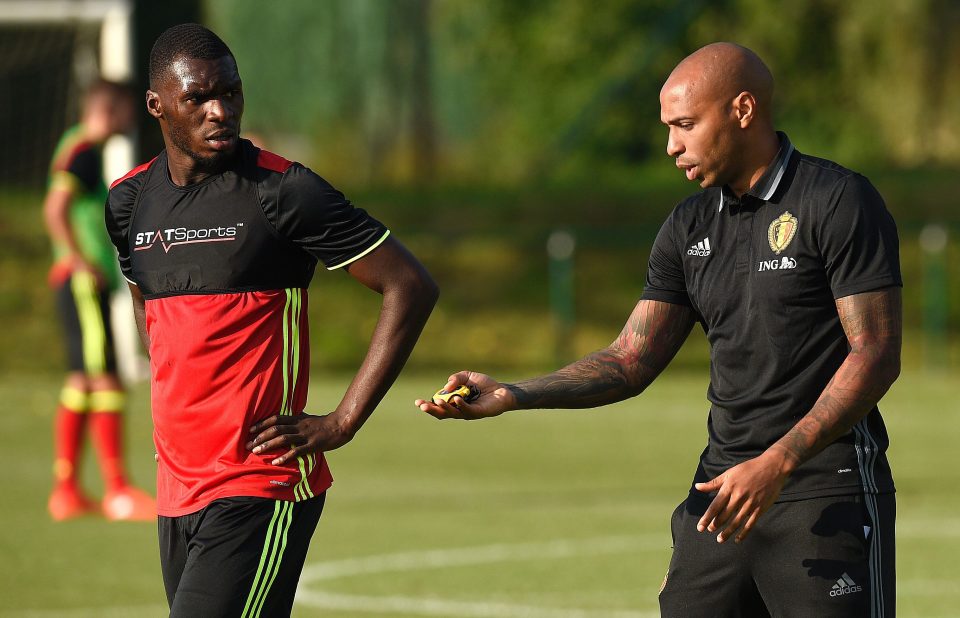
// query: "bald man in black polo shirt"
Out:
[790,264]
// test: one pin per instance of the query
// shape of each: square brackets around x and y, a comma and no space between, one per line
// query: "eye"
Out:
[685,126]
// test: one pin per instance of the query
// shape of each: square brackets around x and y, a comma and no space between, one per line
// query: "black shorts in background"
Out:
[823,557]
[236,557]
[84,309]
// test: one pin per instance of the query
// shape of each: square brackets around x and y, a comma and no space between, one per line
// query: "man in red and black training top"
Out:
[219,240]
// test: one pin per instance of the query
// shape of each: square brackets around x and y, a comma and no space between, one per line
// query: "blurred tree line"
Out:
[457,120]
[505,91]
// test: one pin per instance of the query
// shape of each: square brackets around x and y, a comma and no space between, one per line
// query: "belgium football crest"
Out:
[782,231]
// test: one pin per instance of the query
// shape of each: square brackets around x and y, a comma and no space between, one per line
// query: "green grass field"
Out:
[545,515]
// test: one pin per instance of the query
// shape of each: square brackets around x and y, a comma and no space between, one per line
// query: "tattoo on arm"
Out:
[873,325]
[648,342]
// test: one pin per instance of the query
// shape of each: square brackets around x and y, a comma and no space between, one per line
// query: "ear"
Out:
[154,108]
[744,109]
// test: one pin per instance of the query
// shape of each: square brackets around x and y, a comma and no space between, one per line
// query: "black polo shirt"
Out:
[762,273]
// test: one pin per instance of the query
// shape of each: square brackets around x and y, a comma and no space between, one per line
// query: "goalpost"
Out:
[101,45]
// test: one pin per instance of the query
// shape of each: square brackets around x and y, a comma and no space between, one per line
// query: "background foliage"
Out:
[474,130]
[501,90]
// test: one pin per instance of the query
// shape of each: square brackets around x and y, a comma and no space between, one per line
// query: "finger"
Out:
[288,456]
[156,457]
[283,442]
[734,524]
[716,506]
[709,486]
[274,421]
[277,438]
[468,410]
[263,436]
[432,409]
[721,519]
[457,379]
[458,407]
[747,527]
[267,422]
[442,409]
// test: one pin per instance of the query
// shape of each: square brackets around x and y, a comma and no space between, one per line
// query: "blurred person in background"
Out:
[790,263]
[219,240]
[83,275]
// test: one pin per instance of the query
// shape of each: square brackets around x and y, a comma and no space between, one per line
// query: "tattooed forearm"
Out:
[647,343]
[873,325]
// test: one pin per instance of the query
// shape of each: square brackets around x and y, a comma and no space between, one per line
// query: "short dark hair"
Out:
[107,87]
[184,40]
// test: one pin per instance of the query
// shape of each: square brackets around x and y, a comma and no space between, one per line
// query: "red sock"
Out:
[106,424]
[67,439]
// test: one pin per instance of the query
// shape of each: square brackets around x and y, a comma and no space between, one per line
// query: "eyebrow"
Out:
[195,89]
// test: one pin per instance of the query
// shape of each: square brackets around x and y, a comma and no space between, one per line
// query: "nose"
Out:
[674,146]
[219,110]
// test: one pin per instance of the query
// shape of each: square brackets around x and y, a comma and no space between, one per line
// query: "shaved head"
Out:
[718,106]
[721,71]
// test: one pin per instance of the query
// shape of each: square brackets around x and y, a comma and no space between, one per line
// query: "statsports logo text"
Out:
[171,237]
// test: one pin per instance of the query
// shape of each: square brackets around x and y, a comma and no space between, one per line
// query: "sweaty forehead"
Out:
[186,73]
[678,98]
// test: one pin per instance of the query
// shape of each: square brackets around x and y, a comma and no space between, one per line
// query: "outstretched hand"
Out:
[300,434]
[494,398]
[744,493]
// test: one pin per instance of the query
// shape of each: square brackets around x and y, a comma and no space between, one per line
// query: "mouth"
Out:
[692,171]
[222,140]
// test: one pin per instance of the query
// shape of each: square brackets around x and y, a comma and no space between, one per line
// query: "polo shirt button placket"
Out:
[744,217]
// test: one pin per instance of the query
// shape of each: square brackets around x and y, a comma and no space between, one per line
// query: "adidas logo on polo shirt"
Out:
[701,249]
[844,585]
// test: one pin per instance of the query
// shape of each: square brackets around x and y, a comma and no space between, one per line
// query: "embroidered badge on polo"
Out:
[781,232]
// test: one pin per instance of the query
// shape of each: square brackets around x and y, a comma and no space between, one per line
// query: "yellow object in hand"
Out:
[467,393]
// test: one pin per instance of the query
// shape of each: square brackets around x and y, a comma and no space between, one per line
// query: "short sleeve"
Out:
[858,240]
[318,218]
[665,279]
[118,212]
[85,166]
[80,174]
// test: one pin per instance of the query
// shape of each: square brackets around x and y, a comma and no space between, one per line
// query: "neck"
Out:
[758,158]
[185,170]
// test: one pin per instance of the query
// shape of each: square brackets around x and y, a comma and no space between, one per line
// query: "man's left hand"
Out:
[300,434]
[744,493]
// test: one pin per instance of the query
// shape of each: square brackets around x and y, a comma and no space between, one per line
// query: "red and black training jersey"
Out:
[223,266]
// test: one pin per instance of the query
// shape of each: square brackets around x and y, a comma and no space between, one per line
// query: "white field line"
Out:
[465,556]
[440,607]
[486,554]
[442,558]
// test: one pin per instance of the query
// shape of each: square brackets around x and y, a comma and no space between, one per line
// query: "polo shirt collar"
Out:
[768,184]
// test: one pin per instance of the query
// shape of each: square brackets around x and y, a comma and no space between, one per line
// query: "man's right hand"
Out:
[494,398]
[79,264]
